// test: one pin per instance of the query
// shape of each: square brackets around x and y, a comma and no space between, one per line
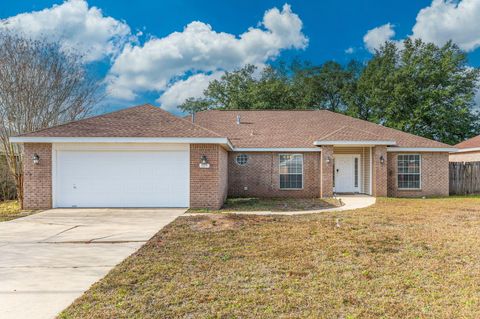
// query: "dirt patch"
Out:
[222,222]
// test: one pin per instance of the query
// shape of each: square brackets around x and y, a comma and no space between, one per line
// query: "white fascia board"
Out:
[177,140]
[467,150]
[422,149]
[278,149]
[357,143]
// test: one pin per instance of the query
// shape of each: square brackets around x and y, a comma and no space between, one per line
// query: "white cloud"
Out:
[438,23]
[350,50]
[376,37]
[78,27]
[447,20]
[199,49]
[181,90]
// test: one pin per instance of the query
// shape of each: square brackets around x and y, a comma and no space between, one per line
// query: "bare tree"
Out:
[40,86]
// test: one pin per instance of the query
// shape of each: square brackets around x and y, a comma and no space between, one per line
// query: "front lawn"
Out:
[272,204]
[401,258]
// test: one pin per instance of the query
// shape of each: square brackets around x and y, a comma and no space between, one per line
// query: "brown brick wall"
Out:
[208,185]
[37,182]
[260,176]
[434,176]
[326,171]
[465,157]
[379,171]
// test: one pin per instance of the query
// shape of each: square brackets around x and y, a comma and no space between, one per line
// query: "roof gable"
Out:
[350,134]
[474,142]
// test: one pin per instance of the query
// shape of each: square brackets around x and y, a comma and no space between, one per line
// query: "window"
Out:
[409,174]
[291,171]
[242,159]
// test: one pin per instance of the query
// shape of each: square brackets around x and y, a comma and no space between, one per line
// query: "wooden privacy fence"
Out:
[464,178]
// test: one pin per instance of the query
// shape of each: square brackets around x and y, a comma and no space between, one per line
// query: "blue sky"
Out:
[131,45]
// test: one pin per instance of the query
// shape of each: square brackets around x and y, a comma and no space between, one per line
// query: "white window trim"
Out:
[419,173]
[279,174]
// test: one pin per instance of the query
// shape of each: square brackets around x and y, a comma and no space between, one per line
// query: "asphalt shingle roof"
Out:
[279,128]
[138,121]
[470,143]
[258,129]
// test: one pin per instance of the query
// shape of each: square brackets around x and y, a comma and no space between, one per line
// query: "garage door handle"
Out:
[74,186]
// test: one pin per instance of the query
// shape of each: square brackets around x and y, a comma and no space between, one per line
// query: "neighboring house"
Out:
[146,157]
[467,151]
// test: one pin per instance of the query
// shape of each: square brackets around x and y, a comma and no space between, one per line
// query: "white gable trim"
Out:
[175,140]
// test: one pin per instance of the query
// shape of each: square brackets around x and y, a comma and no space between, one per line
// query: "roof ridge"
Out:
[87,118]
[192,123]
[261,110]
[332,132]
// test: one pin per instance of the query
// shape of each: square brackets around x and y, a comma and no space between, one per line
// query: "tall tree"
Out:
[40,86]
[322,87]
[419,88]
[246,88]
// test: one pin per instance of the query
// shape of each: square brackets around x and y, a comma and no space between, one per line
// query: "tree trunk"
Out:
[19,187]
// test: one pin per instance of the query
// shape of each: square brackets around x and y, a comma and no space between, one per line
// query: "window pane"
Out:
[408,181]
[409,164]
[291,181]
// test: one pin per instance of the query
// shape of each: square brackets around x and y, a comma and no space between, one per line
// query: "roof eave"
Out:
[468,150]
[170,140]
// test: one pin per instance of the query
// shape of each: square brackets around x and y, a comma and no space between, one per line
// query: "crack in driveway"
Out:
[63,231]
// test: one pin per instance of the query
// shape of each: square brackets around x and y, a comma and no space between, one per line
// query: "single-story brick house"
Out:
[467,151]
[146,157]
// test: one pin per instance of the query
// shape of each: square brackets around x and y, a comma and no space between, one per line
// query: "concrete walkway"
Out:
[49,259]
[350,202]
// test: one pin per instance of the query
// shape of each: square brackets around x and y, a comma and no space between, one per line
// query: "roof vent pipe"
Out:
[238,119]
[193,117]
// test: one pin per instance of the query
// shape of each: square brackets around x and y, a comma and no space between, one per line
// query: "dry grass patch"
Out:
[11,210]
[272,204]
[400,258]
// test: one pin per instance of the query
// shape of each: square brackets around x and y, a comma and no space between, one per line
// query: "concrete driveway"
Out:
[49,259]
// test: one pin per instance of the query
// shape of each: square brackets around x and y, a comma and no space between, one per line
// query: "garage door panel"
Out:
[122,179]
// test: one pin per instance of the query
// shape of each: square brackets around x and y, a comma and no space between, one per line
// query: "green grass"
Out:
[11,210]
[271,204]
[401,258]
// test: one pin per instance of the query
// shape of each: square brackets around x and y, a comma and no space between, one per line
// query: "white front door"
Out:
[347,173]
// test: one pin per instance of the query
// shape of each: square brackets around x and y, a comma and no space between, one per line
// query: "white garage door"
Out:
[121,178]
